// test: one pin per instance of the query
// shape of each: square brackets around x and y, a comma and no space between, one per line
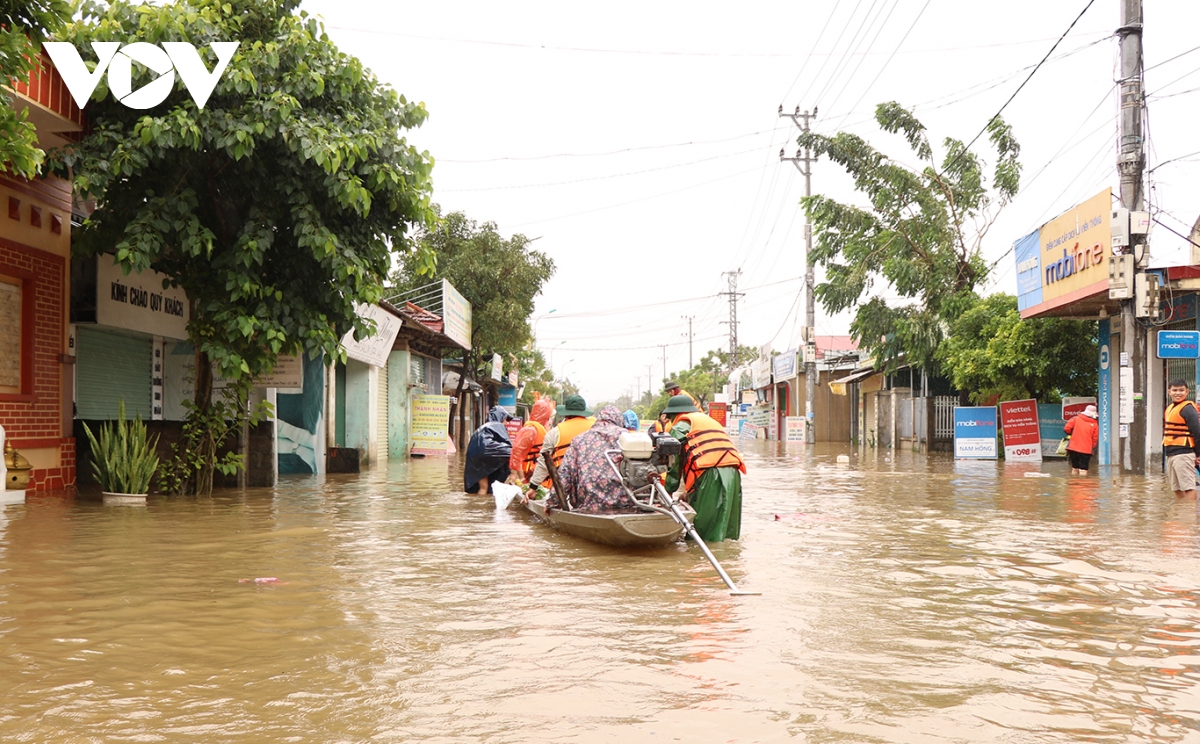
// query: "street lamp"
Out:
[552,350]
[538,320]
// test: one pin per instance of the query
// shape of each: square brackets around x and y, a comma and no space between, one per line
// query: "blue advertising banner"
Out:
[508,398]
[1050,428]
[975,432]
[1104,394]
[1178,345]
[1027,254]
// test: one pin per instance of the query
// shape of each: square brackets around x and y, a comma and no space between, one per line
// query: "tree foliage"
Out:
[24,25]
[993,354]
[918,235]
[703,379]
[277,207]
[500,278]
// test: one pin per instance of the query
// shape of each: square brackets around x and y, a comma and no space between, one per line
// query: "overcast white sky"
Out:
[639,142]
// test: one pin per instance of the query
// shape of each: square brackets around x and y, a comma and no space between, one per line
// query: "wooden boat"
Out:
[644,529]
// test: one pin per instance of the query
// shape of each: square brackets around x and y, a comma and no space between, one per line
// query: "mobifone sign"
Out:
[166,59]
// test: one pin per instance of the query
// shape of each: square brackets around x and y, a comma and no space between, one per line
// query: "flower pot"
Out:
[124,499]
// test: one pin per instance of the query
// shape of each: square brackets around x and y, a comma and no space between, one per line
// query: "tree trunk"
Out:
[460,436]
[206,447]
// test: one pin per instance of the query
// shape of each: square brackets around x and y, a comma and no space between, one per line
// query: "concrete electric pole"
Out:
[1131,163]
[803,162]
[689,319]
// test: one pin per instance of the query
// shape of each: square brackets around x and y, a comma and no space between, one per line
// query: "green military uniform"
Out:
[716,496]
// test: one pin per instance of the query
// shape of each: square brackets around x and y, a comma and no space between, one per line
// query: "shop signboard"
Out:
[374,349]
[1050,428]
[513,425]
[784,366]
[138,302]
[456,315]
[749,431]
[761,371]
[760,417]
[288,374]
[430,421]
[1072,407]
[1071,258]
[718,412]
[497,367]
[1022,436]
[1125,396]
[1104,446]
[794,429]
[975,432]
[1178,345]
[508,398]
[748,397]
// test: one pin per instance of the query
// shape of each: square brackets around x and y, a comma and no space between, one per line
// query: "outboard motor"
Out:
[643,454]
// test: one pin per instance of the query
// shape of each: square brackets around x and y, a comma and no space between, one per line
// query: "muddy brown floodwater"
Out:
[905,599]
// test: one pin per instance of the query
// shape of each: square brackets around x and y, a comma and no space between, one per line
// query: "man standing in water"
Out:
[1181,440]
[709,470]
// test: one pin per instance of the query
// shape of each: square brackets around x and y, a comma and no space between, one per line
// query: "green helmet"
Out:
[680,404]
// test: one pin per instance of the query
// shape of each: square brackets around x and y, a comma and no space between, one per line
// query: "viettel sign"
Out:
[166,59]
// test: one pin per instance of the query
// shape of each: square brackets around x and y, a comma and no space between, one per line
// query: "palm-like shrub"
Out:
[124,459]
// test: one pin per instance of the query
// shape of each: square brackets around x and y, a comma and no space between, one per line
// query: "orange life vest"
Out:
[568,430]
[1175,429]
[529,464]
[707,446]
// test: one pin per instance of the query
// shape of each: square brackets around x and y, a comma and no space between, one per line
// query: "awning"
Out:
[838,387]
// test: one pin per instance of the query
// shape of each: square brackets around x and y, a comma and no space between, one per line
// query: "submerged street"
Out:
[904,599]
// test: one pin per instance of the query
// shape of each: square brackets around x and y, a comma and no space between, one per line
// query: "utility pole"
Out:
[803,163]
[664,348]
[1131,163]
[689,319]
[733,296]
[650,381]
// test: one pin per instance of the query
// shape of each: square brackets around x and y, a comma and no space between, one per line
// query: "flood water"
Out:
[905,599]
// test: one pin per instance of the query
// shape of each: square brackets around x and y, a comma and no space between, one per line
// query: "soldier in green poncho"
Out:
[709,470]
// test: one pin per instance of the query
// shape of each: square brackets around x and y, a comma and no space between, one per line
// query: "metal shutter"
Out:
[381,426]
[111,366]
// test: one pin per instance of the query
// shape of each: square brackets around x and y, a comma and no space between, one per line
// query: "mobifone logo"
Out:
[117,60]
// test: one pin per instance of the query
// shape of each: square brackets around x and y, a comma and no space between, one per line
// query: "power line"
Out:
[613,152]
[1037,67]
[601,178]
[885,64]
[633,201]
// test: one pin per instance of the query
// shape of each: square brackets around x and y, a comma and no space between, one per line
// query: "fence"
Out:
[943,417]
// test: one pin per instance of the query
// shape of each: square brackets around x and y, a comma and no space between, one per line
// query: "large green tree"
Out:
[24,25]
[499,276]
[994,355]
[277,207]
[917,233]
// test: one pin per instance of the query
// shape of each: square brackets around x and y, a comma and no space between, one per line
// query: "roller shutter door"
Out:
[381,426]
[110,367]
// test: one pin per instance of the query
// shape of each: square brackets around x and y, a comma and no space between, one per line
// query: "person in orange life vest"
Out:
[709,471]
[672,389]
[528,443]
[660,424]
[1084,433]
[1181,440]
[577,418]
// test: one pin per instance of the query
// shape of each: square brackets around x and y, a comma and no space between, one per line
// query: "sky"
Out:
[638,143]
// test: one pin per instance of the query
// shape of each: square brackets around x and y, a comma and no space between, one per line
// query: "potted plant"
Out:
[124,459]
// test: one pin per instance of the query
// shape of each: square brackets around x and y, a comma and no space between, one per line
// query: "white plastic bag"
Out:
[504,494]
